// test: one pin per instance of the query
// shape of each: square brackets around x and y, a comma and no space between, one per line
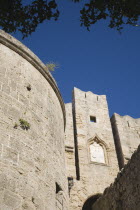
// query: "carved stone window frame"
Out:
[103,145]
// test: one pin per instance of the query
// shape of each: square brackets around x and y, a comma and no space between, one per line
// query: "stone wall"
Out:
[33,173]
[124,193]
[127,136]
[92,128]
[32,162]
[69,143]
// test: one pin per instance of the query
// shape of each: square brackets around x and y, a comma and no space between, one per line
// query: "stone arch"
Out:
[90,201]
[97,150]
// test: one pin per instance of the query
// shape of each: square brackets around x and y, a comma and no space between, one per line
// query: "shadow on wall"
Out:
[90,201]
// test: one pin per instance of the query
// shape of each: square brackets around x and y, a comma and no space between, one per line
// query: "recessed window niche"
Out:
[93,119]
[97,153]
[59,197]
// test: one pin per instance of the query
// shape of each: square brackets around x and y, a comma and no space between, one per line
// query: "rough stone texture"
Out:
[127,131]
[31,161]
[124,193]
[69,142]
[33,173]
[92,177]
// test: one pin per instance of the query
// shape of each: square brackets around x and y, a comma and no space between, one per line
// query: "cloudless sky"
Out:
[101,61]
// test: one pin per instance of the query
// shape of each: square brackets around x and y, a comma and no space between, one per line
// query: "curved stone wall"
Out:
[32,167]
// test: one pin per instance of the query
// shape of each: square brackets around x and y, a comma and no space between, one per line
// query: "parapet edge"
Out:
[124,116]
[27,54]
[78,89]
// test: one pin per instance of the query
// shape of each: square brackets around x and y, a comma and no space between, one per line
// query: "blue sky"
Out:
[101,61]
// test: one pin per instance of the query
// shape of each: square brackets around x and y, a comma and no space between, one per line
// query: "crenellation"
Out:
[70,152]
[92,124]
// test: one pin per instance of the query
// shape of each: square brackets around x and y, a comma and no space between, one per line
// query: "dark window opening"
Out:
[59,197]
[92,119]
[58,188]
[70,183]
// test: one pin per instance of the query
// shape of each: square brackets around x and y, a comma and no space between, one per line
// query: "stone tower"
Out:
[126,132]
[32,123]
[90,149]
[55,156]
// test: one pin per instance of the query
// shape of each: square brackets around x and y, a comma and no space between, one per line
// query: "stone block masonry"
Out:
[32,162]
[52,159]
[124,193]
[95,157]
[126,132]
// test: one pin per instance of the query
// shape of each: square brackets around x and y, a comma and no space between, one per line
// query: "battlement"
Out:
[43,165]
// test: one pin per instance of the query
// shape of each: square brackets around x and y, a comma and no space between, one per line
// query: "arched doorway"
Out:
[90,201]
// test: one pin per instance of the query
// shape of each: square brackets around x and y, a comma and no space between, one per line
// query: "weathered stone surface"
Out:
[124,192]
[127,134]
[31,161]
[10,154]
[11,200]
[93,176]
[69,142]
[33,173]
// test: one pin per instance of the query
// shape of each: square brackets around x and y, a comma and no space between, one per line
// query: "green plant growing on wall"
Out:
[52,66]
[24,124]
